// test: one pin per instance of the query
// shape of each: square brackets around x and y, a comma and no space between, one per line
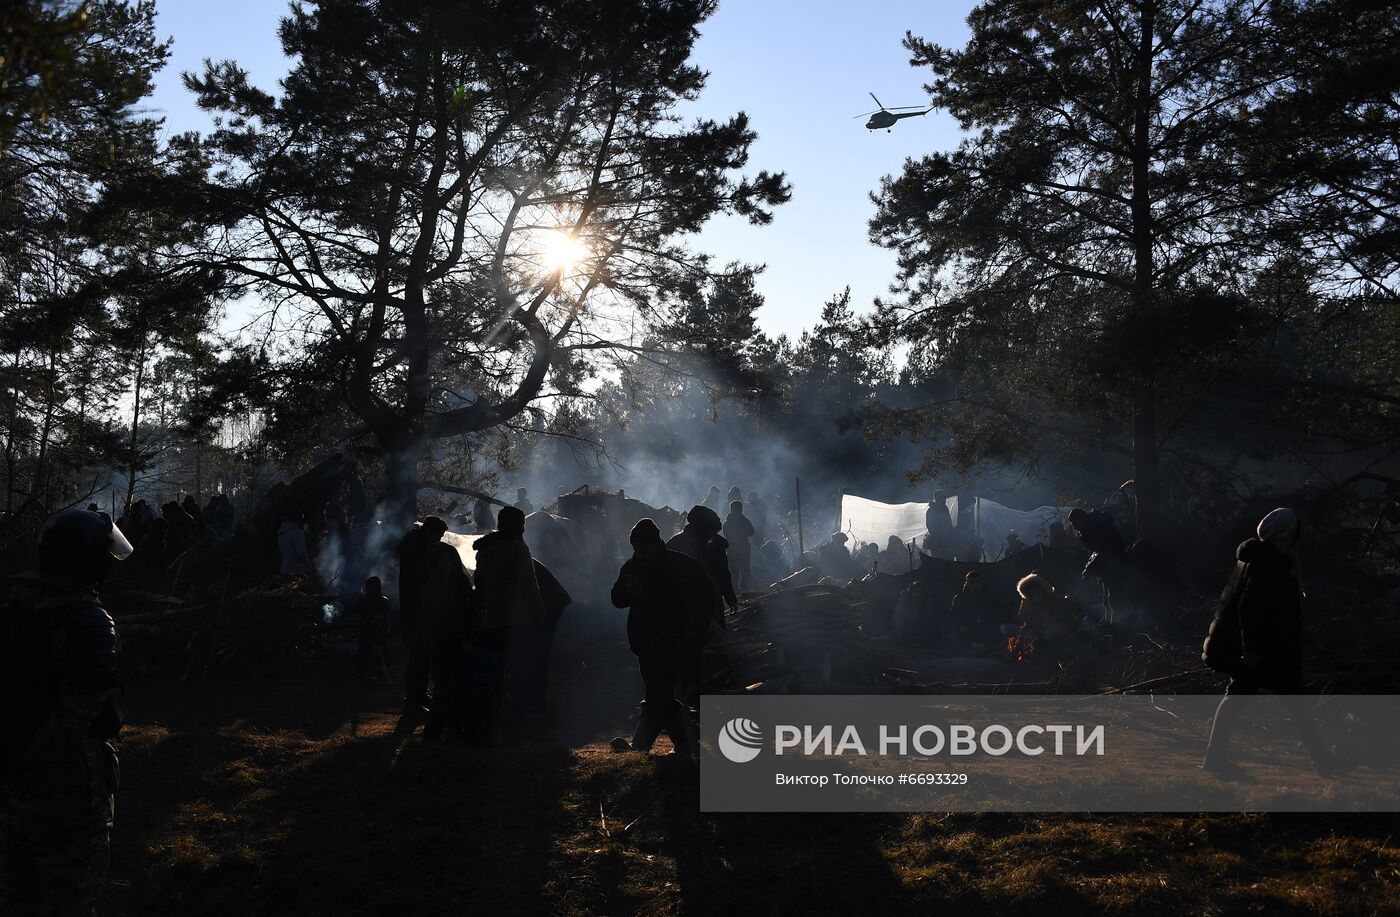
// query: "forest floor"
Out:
[304,796]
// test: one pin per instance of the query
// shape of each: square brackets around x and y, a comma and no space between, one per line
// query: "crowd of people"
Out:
[481,641]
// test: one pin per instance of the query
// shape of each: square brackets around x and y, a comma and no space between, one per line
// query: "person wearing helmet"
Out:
[58,769]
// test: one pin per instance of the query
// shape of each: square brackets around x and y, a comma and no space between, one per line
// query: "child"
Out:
[372,609]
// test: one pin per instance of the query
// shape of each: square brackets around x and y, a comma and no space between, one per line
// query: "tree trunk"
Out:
[401,481]
[1144,397]
[135,441]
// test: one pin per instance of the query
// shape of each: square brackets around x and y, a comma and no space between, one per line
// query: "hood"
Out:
[489,543]
[1255,551]
[1031,581]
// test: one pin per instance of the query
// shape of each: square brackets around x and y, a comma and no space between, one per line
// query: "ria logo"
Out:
[740,740]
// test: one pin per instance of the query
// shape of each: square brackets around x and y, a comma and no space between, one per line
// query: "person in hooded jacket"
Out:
[713,499]
[1256,638]
[452,636]
[291,544]
[418,551]
[665,592]
[512,606]
[739,532]
[701,540]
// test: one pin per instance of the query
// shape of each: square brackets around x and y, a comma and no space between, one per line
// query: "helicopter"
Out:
[886,117]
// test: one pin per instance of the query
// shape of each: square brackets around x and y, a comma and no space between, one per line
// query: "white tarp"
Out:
[872,521]
[993,522]
[463,545]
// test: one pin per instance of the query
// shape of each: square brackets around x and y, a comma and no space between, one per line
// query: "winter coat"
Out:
[1099,533]
[505,577]
[975,617]
[291,545]
[713,555]
[669,602]
[1260,612]
[739,531]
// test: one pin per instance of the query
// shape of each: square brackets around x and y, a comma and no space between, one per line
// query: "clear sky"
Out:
[801,70]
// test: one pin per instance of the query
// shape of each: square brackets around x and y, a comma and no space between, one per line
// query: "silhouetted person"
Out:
[416,553]
[835,559]
[191,507]
[714,500]
[1257,638]
[1122,506]
[897,557]
[938,523]
[138,521]
[291,545]
[769,565]
[867,558]
[181,533]
[522,501]
[739,532]
[371,612]
[1046,614]
[59,663]
[1061,540]
[664,591]
[219,515]
[151,553]
[701,541]
[735,495]
[974,615]
[483,518]
[757,511]
[513,609]
[915,621]
[449,612]
[1108,555]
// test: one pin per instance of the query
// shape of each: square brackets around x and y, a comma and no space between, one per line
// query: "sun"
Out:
[562,251]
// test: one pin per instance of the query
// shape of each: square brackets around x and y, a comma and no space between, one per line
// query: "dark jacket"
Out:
[975,617]
[371,612]
[1098,532]
[1260,612]
[414,558]
[713,555]
[505,577]
[60,678]
[668,602]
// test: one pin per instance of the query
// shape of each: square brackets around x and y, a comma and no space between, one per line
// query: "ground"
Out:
[302,796]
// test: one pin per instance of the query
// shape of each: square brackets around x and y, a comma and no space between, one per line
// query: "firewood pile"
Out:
[810,639]
[255,634]
[802,639]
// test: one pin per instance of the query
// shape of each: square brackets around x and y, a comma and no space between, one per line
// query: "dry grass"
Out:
[306,804]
